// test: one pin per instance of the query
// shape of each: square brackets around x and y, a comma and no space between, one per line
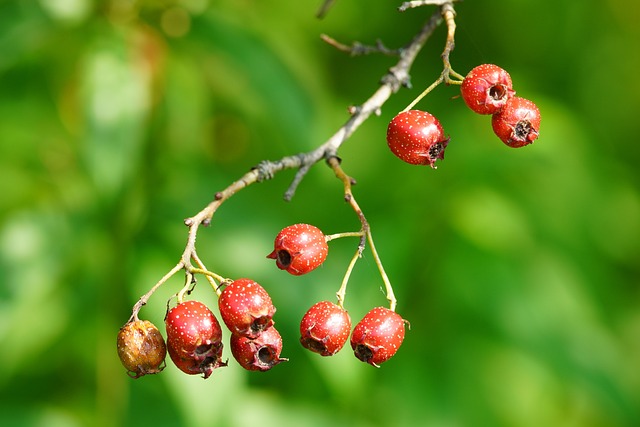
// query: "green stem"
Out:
[331,237]
[342,292]
[387,283]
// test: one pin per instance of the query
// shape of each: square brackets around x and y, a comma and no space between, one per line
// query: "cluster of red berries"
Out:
[488,89]
[194,335]
[326,326]
[417,137]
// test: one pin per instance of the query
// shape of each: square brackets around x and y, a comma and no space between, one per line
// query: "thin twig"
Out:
[418,3]
[357,48]
[143,299]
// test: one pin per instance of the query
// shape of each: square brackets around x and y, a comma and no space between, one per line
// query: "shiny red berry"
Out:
[325,328]
[259,354]
[518,123]
[486,89]
[246,308]
[377,337]
[299,249]
[194,338]
[417,137]
[141,348]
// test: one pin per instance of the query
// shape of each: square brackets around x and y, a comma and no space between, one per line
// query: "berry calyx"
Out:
[194,338]
[518,123]
[377,337]
[141,348]
[325,328]
[416,137]
[246,308]
[299,249]
[486,89]
[259,354]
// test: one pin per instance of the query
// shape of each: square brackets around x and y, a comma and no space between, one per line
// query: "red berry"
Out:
[141,348]
[260,354]
[486,89]
[246,308]
[194,338]
[377,337]
[417,138]
[325,328]
[518,123]
[299,249]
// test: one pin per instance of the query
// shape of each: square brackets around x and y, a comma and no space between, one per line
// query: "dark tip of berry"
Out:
[202,349]
[284,258]
[209,364]
[259,324]
[314,345]
[212,359]
[435,150]
[365,354]
[266,355]
[497,92]
[522,130]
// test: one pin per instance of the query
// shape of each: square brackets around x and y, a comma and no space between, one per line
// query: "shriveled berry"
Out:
[246,308]
[377,337]
[325,328]
[141,348]
[259,354]
[416,137]
[486,89]
[194,338]
[518,123]
[299,249]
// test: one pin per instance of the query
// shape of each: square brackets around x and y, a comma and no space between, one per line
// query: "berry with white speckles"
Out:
[486,89]
[518,123]
[246,308]
[194,338]
[377,337]
[416,137]
[325,328]
[259,354]
[141,348]
[299,249]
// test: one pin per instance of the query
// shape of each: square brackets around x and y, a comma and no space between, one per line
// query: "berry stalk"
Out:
[448,13]
[334,162]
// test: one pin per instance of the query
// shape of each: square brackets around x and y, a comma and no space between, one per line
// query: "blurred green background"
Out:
[519,270]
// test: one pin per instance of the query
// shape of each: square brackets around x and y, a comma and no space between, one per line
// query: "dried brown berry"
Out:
[141,348]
